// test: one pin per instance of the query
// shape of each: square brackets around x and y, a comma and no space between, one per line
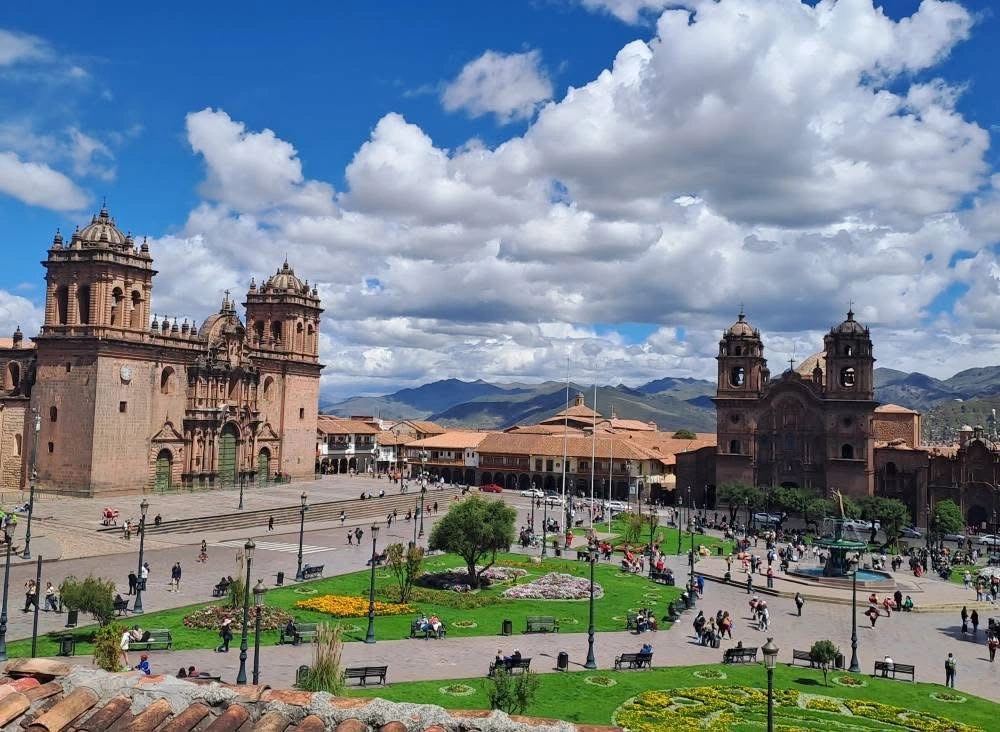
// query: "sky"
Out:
[516,190]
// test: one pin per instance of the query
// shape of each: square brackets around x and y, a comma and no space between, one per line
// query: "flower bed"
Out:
[852,682]
[710,674]
[554,586]
[211,617]
[604,681]
[342,606]
[948,696]
[457,690]
[823,704]
[456,579]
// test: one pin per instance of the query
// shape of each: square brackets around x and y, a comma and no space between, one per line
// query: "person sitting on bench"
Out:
[435,623]
[908,604]
[515,657]
[646,648]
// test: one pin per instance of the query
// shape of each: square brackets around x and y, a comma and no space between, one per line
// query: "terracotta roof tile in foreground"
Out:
[42,695]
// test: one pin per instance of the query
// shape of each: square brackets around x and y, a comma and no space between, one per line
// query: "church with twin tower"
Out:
[121,400]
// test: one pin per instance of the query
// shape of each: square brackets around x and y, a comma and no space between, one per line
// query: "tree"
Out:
[684,435]
[737,496]
[91,594]
[475,529]
[891,513]
[512,693]
[405,565]
[634,523]
[824,653]
[947,518]
[817,508]
[107,651]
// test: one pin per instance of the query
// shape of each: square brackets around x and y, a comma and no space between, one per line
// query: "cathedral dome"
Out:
[741,327]
[850,326]
[285,280]
[102,232]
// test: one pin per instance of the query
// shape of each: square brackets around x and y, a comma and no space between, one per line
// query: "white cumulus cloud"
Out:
[38,185]
[510,86]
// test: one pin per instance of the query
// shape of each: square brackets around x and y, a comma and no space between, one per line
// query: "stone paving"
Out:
[923,639]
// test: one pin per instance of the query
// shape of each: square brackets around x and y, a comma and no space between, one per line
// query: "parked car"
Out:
[491,488]
[616,505]
[533,493]
[991,539]
[859,525]
[767,518]
[909,532]
[954,537]
[554,499]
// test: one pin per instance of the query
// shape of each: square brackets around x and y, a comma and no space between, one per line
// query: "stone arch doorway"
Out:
[470,476]
[164,464]
[511,482]
[524,482]
[263,464]
[977,516]
[550,483]
[446,474]
[342,465]
[228,451]
[486,479]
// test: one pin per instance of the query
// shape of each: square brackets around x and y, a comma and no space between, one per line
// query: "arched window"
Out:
[890,468]
[847,451]
[737,376]
[62,305]
[311,340]
[298,336]
[258,330]
[734,447]
[167,381]
[83,304]
[848,350]
[53,414]
[13,375]
[738,351]
[133,319]
[116,306]
[847,376]
[276,331]
[268,387]
[17,445]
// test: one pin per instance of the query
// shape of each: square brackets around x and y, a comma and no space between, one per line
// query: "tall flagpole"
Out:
[565,448]
[611,472]
[593,456]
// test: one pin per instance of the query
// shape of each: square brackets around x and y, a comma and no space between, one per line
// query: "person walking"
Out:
[770,577]
[965,619]
[143,575]
[749,584]
[50,598]
[30,595]
[203,554]
[799,602]
[226,633]
[175,577]
[343,517]
[950,666]
[974,619]
[123,645]
[992,643]
[133,580]
[270,523]
[350,538]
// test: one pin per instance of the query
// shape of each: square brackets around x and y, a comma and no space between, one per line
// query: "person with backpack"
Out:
[950,666]
[226,633]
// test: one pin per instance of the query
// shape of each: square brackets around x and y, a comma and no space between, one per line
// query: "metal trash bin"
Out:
[67,645]
[72,616]
[301,675]
[562,661]
[507,627]
[279,579]
[838,661]
[140,584]
[718,550]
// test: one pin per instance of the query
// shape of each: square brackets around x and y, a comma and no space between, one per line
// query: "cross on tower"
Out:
[791,364]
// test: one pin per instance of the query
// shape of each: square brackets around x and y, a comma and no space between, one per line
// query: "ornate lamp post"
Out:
[140,585]
[241,677]
[855,667]
[302,528]
[26,554]
[258,602]
[414,542]
[591,660]
[746,526]
[770,652]
[545,521]
[691,583]
[651,541]
[533,499]
[680,529]
[370,636]
[6,584]
[242,481]
[423,492]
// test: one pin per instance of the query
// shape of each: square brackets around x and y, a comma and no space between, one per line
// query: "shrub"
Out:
[512,693]
[824,652]
[325,674]
[91,594]
[455,600]
[406,564]
[106,649]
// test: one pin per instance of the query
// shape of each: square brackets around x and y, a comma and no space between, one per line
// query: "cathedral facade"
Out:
[118,400]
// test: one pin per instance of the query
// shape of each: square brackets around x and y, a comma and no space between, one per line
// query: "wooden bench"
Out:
[883,669]
[583,555]
[300,632]
[663,578]
[806,656]
[159,639]
[311,572]
[541,624]
[428,632]
[220,590]
[363,673]
[739,655]
[631,621]
[634,660]
[379,560]
[511,667]
[121,606]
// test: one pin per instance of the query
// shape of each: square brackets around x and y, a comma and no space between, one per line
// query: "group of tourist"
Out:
[711,631]
[31,597]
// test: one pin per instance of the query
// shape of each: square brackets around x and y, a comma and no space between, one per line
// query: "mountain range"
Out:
[672,403]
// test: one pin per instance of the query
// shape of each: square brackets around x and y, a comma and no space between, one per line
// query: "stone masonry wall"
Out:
[12,413]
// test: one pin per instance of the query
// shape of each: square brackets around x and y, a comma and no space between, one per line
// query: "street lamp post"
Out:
[139,585]
[855,667]
[680,530]
[651,528]
[26,554]
[746,525]
[242,480]
[414,542]
[533,499]
[258,602]
[241,677]
[545,521]
[691,584]
[423,492]
[370,636]
[6,585]
[591,660]
[302,528]
[770,652]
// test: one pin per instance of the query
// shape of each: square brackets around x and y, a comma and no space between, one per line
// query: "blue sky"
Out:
[466,215]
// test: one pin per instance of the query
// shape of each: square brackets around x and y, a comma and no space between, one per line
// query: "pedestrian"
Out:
[143,575]
[388,521]
[358,533]
[873,614]
[123,645]
[30,594]
[203,554]
[226,633]
[965,620]
[50,598]
[974,617]
[343,517]
[701,585]
[435,507]
[133,580]
[992,644]
[270,523]
[350,537]
[950,666]
[967,579]
[749,584]
[799,602]
[770,577]
[175,577]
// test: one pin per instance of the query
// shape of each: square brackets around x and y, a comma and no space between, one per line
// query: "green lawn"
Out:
[568,696]
[622,592]
[669,538]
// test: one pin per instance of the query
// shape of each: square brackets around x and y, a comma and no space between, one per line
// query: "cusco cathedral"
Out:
[114,399]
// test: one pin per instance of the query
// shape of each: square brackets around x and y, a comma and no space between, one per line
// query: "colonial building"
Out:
[129,401]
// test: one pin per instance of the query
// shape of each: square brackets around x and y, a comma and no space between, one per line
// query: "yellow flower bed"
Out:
[343,606]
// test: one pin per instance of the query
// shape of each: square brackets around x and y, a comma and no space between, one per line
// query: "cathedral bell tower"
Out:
[283,316]
[742,368]
[850,367]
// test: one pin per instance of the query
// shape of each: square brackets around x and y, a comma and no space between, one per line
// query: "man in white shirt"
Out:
[889,667]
